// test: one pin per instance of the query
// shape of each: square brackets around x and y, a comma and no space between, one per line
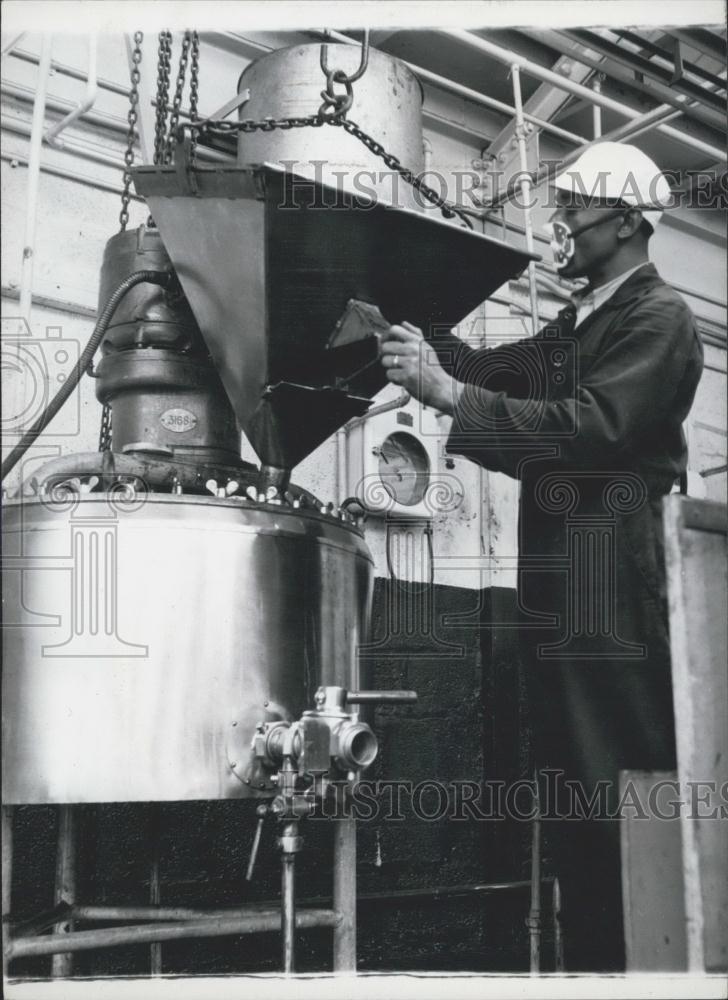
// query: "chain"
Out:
[247,125]
[105,432]
[194,87]
[132,117]
[177,101]
[163,68]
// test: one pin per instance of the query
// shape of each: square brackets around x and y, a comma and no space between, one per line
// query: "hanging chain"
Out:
[164,53]
[333,111]
[105,431]
[177,100]
[132,118]
[194,86]
[226,128]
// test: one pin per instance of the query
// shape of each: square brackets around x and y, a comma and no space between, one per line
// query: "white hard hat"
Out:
[618,172]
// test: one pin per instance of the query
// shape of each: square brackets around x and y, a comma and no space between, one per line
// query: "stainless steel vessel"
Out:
[387,105]
[145,639]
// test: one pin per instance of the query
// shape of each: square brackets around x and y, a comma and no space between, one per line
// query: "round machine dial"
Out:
[404,468]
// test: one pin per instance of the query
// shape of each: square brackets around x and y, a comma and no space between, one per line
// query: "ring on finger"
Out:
[395,361]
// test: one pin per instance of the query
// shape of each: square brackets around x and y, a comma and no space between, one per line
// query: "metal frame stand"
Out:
[28,939]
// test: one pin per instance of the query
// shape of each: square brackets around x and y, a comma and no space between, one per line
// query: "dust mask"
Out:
[562,236]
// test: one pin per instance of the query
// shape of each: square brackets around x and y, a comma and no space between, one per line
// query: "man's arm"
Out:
[628,389]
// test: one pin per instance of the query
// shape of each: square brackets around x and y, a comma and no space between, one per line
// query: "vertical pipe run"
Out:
[288,910]
[596,109]
[7,871]
[65,889]
[534,915]
[345,894]
[558,933]
[34,156]
[526,188]
[155,949]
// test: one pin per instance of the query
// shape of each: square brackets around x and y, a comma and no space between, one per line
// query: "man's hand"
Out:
[409,362]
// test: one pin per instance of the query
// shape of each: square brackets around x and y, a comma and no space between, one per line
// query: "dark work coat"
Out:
[589,420]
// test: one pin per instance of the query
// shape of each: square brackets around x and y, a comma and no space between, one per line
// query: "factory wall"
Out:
[456,648]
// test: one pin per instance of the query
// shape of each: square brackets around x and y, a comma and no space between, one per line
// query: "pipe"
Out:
[470,95]
[69,386]
[345,894]
[288,910]
[16,159]
[51,136]
[548,76]
[65,887]
[9,46]
[525,187]
[18,126]
[31,210]
[654,91]
[642,123]
[596,86]
[62,106]
[94,913]
[558,932]
[112,937]
[42,921]
[6,848]
[647,68]
[71,71]
[534,913]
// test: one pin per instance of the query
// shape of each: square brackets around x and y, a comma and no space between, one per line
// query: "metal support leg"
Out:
[345,894]
[534,915]
[155,950]
[65,891]
[288,911]
[7,872]
[558,933]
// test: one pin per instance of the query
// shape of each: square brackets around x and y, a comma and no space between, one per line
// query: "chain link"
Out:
[105,431]
[164,55]
[177,100]
[132,118]
[194,86]
[247,125]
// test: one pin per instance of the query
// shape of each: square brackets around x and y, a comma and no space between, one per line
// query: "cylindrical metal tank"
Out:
[387,105]
[145,639]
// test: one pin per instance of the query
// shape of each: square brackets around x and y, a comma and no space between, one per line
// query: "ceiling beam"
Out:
[657,92]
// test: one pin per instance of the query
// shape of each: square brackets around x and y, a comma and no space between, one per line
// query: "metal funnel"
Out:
[269,261]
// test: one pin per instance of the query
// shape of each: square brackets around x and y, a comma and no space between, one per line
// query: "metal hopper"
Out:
[269,262]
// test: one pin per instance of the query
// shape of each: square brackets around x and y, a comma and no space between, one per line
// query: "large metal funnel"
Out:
[269,262]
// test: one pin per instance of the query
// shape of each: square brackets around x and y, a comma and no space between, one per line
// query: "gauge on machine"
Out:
[404,468]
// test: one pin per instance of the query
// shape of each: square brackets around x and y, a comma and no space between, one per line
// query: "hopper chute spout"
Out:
[290,279]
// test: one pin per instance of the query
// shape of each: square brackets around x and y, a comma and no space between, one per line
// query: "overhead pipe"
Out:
[470,95]
[89,99]
[510,58]
[10,45]
[637,126]
[648,68]
[525,184]
[75,74]
[653,90]
[31,208]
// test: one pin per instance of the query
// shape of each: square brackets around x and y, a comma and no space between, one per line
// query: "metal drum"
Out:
[387,105]
[145,639]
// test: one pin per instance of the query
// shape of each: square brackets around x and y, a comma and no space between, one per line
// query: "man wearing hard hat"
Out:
[588,416]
